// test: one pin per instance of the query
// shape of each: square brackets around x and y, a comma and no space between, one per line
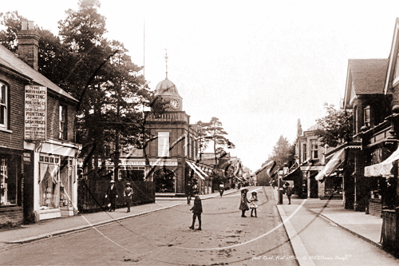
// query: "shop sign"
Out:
[35,112]
[27,157]
[163,163]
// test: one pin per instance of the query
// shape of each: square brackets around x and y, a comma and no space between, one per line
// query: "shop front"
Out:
[385,199]
[52,166]
[11,180]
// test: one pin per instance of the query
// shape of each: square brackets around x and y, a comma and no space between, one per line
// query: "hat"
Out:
[127,184]
[253,192]
[112,181]
[243,189]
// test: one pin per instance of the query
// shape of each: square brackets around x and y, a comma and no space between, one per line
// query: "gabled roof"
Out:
[364,76]
[392,59]
[368,75]
[10,61]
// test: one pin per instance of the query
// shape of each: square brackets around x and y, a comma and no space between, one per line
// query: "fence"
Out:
[91,194]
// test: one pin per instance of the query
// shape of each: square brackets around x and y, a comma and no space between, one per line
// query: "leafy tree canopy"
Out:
[283,153]
[96,71]
[334,127]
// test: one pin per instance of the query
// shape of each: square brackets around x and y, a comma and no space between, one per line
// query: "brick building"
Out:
[37,134]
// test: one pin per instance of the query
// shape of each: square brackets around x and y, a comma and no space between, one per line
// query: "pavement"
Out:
[300,213]
[53,227]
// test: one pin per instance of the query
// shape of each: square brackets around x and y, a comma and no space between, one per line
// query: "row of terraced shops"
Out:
[364,166]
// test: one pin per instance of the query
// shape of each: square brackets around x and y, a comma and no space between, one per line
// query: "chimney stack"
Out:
[28,44]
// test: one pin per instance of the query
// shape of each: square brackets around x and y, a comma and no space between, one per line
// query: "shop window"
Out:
[315,149]
[67,178]
[49,188]
[8,185]
[62,122]
[367,116]
[4,105]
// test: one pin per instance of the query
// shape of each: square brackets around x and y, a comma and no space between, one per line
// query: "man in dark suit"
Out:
[111,193]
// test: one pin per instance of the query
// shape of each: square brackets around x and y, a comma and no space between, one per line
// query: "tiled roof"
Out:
[9,60]
[314,127]
[368,75]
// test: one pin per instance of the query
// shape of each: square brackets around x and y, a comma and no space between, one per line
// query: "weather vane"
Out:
[166,60]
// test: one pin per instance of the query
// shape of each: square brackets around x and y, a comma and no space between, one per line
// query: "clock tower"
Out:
[169,93]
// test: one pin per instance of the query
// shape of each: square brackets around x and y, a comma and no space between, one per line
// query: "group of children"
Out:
[245,204]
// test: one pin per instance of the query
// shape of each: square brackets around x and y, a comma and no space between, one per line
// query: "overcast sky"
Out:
[258,66]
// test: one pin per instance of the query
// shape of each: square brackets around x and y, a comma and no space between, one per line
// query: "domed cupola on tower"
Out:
[167,89]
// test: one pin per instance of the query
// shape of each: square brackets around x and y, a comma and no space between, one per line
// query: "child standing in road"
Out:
[252,203]
[197,210]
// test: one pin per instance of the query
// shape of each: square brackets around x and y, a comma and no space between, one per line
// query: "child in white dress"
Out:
[252,203]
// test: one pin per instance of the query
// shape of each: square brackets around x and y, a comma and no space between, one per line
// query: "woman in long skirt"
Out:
[244,202]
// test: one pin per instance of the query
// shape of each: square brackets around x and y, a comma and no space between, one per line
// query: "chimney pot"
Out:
[24,25]
[31,25]
[28,44]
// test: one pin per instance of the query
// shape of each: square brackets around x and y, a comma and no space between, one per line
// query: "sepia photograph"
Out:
[172,132]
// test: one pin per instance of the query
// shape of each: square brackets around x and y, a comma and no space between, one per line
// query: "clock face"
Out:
[174,103]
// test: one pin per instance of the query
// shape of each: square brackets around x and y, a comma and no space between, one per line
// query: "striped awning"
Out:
[384,168]
[332,165]
[195,170]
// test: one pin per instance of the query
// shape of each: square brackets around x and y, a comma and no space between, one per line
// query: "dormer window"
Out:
[367,117]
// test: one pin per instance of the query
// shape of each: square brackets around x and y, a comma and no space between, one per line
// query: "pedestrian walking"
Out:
[128,193]
[197,210]
[252,203]
[221,189]
[288,191]
[112,195]
[244,202]
[189,192]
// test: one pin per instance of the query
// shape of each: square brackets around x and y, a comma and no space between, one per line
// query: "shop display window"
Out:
[8,184]
[49,182]
[67,180]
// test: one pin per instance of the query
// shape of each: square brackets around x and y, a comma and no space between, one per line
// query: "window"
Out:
[356,122]
[8,184]
[3,105]
[367,116]
[163,144]
[314,149]
[304,157]
[63,122]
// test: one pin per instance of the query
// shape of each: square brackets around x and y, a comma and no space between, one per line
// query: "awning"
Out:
[293,174]
[195,170]
[332,165]
[384,168]
[200,170]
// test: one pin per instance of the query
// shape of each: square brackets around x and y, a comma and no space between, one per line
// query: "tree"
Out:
[283,153]
[96,71]
[334,127]
[214,131]
[12,23]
